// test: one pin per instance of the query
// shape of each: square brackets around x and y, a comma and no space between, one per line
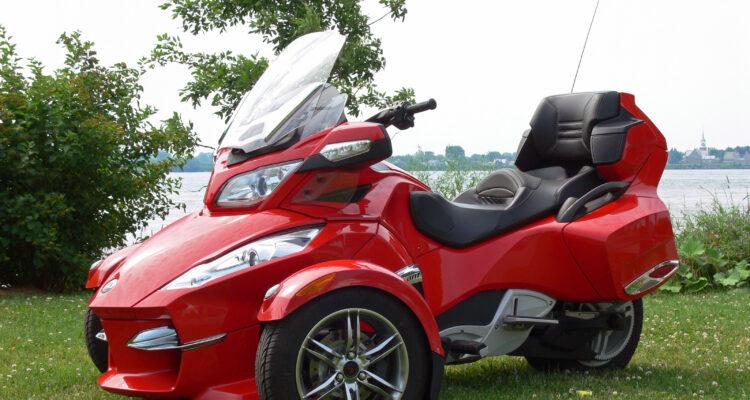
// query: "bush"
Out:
[76,168]
[714,246]
[459,174]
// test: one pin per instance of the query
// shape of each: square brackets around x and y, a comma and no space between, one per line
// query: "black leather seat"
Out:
[554,163]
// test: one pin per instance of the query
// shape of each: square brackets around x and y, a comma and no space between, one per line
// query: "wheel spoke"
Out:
[327,349]
[328,382]
[349,335]
[352,391]
[376,389]
[383,353]
[321,357]
[382,382]
[381,346]
[605,341]
[358,338]
[331,390]
[597,342]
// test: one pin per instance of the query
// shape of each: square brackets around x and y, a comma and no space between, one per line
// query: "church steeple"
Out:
[703,140]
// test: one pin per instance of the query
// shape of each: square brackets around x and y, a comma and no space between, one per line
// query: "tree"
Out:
[224,77]
[77,167]
[675,156]
[494,155]
[454,152]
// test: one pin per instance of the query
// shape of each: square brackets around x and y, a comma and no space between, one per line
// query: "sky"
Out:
[487,63]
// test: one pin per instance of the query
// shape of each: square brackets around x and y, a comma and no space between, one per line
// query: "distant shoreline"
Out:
[669,166]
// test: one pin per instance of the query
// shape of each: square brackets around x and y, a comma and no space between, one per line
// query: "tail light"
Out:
[652,278]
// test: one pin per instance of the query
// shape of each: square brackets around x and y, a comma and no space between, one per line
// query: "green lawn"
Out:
[692,346]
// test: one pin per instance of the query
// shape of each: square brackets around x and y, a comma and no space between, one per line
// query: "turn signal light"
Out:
[316,285]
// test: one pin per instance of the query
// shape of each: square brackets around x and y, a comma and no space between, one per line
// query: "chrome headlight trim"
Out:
[246,256]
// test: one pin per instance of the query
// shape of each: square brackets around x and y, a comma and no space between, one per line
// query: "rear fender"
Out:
[345,274]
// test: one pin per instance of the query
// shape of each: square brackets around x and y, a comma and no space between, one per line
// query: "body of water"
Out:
[682,191]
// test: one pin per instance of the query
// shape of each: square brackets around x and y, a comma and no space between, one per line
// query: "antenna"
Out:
[584,46]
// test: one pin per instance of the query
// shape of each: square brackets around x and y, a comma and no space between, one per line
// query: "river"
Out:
[684,191]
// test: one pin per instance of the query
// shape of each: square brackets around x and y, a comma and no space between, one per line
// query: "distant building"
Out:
[699,155]
[732,156]
[692,157]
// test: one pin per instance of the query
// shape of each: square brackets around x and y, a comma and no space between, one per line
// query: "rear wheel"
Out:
[350,344]
[613,349]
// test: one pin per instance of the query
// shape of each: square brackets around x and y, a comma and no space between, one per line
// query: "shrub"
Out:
[458,176]
[76,163]
[714,246]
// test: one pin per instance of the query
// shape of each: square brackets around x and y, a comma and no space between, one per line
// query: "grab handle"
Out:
[570,212]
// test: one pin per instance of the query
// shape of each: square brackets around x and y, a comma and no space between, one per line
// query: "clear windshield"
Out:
[291,93]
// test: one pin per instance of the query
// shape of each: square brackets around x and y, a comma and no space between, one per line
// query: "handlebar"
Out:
[430,104]
[401,115]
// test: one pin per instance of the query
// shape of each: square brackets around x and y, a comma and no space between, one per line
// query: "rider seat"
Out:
[554,161]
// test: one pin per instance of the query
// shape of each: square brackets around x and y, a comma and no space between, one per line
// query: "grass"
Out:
[692,346]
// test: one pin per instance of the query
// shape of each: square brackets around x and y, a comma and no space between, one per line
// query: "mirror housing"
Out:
[355,153]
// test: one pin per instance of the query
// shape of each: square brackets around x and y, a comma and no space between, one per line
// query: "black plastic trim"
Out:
[608,138]
[237,156]
[478,310]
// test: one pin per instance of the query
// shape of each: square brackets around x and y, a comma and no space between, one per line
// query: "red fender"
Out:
[344,274]
[109,264]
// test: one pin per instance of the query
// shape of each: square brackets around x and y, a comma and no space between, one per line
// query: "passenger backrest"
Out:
[561,128]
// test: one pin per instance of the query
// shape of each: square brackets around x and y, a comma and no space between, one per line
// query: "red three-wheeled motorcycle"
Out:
[317,270]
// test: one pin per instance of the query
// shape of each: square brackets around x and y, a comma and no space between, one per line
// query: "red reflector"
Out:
[662,271]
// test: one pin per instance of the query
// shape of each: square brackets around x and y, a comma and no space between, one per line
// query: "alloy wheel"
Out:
[607,344]
[352,354]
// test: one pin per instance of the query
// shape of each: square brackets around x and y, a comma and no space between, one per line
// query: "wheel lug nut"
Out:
[350,355]
[362,376]
[339,377]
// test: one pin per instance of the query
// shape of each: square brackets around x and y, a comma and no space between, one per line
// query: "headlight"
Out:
[251,187]
[245,257]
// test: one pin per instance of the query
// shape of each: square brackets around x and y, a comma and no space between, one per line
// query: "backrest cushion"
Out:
[561,126]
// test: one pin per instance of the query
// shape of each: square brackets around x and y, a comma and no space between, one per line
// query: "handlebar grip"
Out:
[430,104]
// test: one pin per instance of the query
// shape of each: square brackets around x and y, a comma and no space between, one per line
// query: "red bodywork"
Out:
[589,260]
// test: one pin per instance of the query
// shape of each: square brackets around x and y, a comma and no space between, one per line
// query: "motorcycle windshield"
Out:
[291,93]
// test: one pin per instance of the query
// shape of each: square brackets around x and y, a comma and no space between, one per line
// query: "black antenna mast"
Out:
[584,46]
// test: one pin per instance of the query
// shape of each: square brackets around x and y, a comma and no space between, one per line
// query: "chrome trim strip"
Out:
[411,273]
[645,282]
[524,322]
[165,338]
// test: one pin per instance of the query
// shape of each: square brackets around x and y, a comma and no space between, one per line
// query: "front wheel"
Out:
[350,344]
[98,348]
[612,349]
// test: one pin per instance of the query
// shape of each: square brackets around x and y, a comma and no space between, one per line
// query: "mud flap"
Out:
[436,380]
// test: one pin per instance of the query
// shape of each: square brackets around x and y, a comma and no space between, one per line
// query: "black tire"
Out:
[98,349]
[281,342]
[617,362]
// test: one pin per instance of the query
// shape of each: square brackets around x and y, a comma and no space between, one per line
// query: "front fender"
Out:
[107,266]
[349,273]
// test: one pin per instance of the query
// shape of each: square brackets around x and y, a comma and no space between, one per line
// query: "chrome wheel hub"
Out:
[352,354]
